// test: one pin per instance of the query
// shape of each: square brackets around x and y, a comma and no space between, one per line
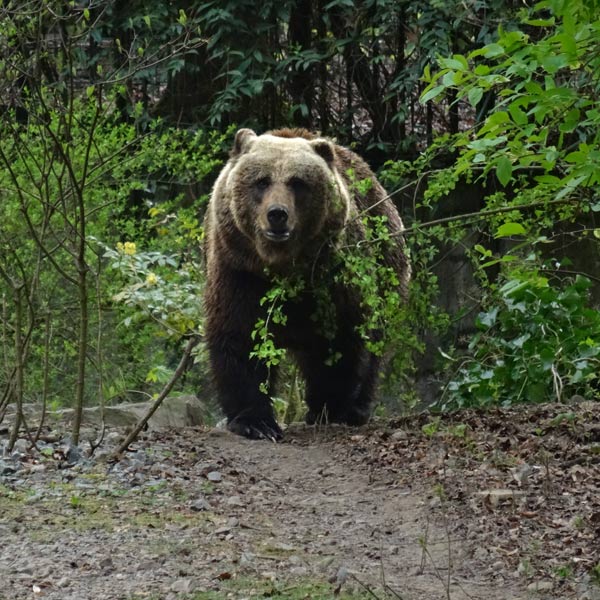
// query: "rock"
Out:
[34,498]
[247,559]
[20,446]
[540,586]
[481,554]
[235,501]
[214,476]
[106,564]
[200,504]
[73,454]
[341,576]
[113,438]
[176,411]
[222,530]
[185,585]
[399,435]
[7,468]
[39,468]
[497,497]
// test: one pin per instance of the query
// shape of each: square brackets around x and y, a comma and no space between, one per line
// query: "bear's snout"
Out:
[278,229]
[277,219]
[277,215]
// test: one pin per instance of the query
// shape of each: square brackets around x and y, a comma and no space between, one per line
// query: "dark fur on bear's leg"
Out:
[249,412]
[341,393]
[232,312]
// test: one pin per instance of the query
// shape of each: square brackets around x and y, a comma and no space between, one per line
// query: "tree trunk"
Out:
[19,376]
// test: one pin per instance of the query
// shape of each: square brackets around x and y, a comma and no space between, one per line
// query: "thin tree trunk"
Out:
[19,378]
[82,292]
[46,374]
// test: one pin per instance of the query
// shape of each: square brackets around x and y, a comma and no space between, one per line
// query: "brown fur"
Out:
[278,203]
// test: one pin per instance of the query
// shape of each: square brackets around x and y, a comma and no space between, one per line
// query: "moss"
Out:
[290,590]
[69,507]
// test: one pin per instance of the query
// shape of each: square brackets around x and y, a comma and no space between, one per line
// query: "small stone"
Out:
[34,498]
[480,554]
[497,497]
[102,455]
[214,476]
[200,504]
[20,447]
[184,586]
[63,582]
[540,586]
[222,530]
[235,501]
[39,468]
[341,576]
[399,435]
[112,438]
[73,454]
[7,468]
[247,558]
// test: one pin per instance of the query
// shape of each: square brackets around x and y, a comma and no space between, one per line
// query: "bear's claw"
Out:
[256,429]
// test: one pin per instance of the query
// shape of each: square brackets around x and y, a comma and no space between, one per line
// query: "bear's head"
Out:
[285,194]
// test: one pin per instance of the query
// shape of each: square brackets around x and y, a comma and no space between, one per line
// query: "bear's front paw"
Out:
[256,428]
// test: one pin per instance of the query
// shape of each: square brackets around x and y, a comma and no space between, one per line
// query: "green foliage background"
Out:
[115,118]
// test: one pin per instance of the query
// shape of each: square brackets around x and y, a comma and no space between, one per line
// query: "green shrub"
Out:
[537,341]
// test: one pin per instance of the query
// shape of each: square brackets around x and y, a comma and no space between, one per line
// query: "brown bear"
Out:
[281,206]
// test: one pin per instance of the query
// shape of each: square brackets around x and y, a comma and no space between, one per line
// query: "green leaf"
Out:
[456,63]
[432,93]
[493,50]
[504,170]
[475,94]
[488,319]
[517,115]
[509,229]
[570,186]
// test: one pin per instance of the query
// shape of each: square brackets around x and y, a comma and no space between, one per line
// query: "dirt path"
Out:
[202,515]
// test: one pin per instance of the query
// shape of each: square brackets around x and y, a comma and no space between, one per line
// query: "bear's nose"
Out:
[277,216]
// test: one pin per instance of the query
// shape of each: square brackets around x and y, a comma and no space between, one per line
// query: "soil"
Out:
[497,505]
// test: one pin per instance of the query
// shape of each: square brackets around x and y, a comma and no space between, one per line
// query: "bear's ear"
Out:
[324,148]
[241,143]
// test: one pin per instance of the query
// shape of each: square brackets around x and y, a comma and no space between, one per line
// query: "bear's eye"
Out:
[262,184]
[298,185]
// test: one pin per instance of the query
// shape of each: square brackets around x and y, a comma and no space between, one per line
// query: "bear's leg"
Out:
[232,309]
[342,392]
[238,379]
